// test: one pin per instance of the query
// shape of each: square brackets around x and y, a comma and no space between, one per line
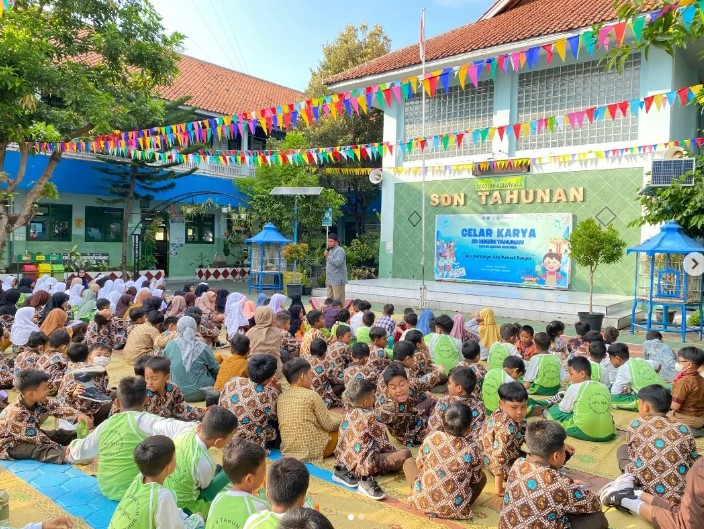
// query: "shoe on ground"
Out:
[369,487]
[615,497]
[344,477]
[94,395]
[623,482]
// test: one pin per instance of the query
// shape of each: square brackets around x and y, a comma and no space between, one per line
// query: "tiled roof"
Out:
[529,19]
[222,91]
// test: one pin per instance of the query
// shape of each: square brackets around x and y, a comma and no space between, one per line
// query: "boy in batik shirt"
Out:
[404,354]
[290,347]
[340,352]
[53,362]
[471,352]
[423,364]
[359,367]
[363,448]
[378,357]
[538,494]
[447,476]
[660,449]
[316,322]
[324,375]
[253,400]
[105,328]
[164,398]
[460,389]
[33,349]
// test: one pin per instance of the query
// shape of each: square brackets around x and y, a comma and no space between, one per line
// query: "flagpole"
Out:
[423,291]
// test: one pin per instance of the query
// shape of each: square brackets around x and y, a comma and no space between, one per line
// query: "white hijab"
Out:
[119,286]
[187,340]
[23,326]
[113,298]
[7,282]
[74,294]
[57,287]
[277,303]
[234,318]
[41,284]
[107,288]
[140,281]
[158,293]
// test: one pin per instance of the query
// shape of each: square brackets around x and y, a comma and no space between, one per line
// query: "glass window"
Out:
[52,222]
[455,111]
[103,224]
[201,230]
[559,91]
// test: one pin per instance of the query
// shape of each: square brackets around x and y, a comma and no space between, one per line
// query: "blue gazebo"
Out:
[266,271]
[662,281]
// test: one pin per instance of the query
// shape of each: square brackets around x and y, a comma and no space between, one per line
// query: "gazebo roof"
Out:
[671,239]
[269,235]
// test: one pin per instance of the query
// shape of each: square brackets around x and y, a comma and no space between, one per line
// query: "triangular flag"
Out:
[445,79]
[613,109]
[532,57]
[560,46]
[658,100]
[671,97]
[516,130]
[604,34]
[548,52]
[637,27]
[648,103]
[462,75]
[620,31]
[473,75]
[396,90]
[687,15]
[589,41]
[623,107]
[574,45]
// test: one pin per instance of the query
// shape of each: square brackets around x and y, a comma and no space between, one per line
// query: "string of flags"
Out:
[374,151]
[361,100]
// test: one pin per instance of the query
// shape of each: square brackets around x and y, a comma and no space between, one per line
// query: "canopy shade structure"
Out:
[269,234]
[670,240]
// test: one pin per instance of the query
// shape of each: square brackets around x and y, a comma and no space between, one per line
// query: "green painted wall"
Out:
[614,189]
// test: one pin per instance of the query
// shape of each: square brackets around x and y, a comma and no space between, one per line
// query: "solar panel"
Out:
[664,172]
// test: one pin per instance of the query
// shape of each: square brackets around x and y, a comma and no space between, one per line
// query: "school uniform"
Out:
[378,359]
[69,385]
[688,392]
[324,378]
[502,438]
[308,338]
[631,377]
[255,407]
[490,388]
[498,352]
[600,373]
[479,372]
[27,359]
[689,513]
[357,370]
[423,363]
[585,412]
[474,404]
[545,373]
[53,364]
[231,508]
[170,405]
[112,333]
[339,354]
[445,350]
[290,346]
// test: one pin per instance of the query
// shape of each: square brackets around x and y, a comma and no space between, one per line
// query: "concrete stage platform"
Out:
[507,302]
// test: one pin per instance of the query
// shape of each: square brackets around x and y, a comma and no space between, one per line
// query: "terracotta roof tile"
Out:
[532,18]
[223,91]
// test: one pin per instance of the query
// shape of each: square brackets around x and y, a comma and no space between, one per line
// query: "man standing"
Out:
[335,269]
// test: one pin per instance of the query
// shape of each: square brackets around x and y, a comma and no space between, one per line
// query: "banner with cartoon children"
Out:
[528,250]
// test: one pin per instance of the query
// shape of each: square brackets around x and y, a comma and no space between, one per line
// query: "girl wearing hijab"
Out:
[235,320]
[87,308]
[221,300]
[193,365]
[424,322]
[74,294]
[23,326]
[58,288]
[297,328]
[262,300]
[202,287]
[8,283]
[189,287]
[484,325]
[190,298]
[460,331]
[139,299]
[57,301]
[206,303]
[26,285]
[264,338]
[37,302]
[42,284]
[123,305]
[132,291]
[176,308]
[277,303]
[152,303]
[114,297]
[105,289]
[83,277]
[118,286]
[248,307]
[56,319]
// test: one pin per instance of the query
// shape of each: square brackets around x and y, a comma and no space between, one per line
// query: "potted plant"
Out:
[305,281]
[591,246]
[294,253]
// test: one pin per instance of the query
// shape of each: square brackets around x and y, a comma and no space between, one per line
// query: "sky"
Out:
[281,40]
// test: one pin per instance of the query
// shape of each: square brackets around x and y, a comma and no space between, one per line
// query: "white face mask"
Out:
[102,361]
[679,367]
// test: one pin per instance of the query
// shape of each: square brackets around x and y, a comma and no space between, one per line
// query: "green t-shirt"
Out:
[548,375]
[137,508]
[363,335]
[643,374]
[490,387]
[445,351]
[231,509]
[596,371]
[592,410]
[498,352]
[263,520]
[117,440]
[184,481]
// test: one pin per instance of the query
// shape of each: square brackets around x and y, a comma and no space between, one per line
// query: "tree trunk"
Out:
[125,224]
[591,288]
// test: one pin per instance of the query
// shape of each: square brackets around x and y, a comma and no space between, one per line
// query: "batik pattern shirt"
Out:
[539,497]
[172,405]
[290,347]
[53,364]
[448,467]
[339,354]
[69,384]
[502,438]
[479,372]
[21,424]
[357,370]
[378,359]
[308,338]
[424,364]
[27,359]
[6,321]
[255,407]
[474,404]
[113,333]
[362,438]
[404,421]
[324,378]
[661,451]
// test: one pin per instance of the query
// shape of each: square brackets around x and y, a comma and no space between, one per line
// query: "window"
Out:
[558,91]
[458,110]
[201,230]
[52,222]
[103,224]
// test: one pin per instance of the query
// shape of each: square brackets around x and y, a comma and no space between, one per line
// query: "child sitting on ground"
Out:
[164,398]
[404,354]
[325,380]
[688,390]
[544,374]
[449,451]
[444,348]
[105,328]
[576,345]
[555,329]
[343,318]
[513,369]
[308,429]
[525,344]
[584,410]
[360,367]
[117,437]
[244,464]
[597,354]
[85,386]
[27,359]
[378,354]
[290,346]
[363,448]
[315,320]
[471,352]
[235,365]
[195,482]
[504,432]
[460,388]
[423,364]
[594,337]
[655,349]
[633,375]
[504,348]
[358,308]
[660,449]
[539,494]
[339,351]
[286,487]
[253,400]
[147,503]
[610,335]
[21,436]
[410,322]
[53,362]
[330,312]
[304,518]
[363,331]
[386,321]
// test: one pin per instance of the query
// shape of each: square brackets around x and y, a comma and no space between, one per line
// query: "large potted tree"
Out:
[592,246]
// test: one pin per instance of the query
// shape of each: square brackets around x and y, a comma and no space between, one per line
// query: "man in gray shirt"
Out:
[335,269]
